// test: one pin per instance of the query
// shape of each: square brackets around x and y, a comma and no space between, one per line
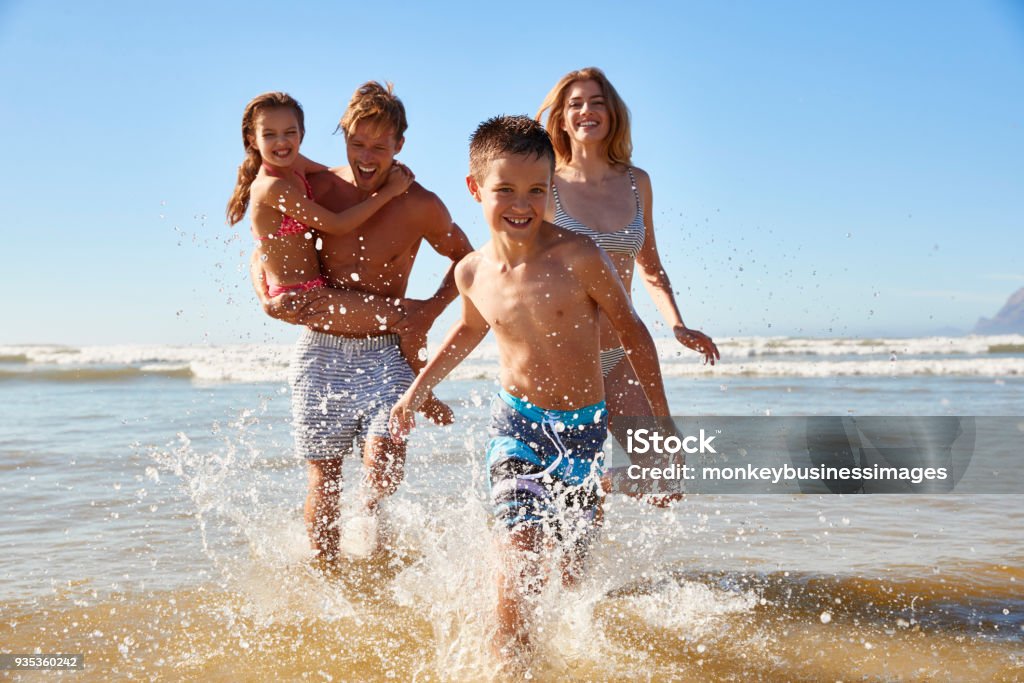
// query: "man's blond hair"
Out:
[375,103]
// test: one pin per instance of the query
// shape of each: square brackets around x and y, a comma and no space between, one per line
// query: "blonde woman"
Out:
[597,192]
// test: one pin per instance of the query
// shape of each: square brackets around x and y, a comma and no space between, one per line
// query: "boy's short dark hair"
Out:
[502,135]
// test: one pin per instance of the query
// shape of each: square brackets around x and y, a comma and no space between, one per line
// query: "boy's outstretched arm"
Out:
[603,285]
[462,338]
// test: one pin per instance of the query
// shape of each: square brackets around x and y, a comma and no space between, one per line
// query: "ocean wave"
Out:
[732,347]
[974,356]
[946,367]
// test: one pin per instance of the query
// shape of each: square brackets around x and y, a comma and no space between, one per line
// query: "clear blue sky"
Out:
[819,167]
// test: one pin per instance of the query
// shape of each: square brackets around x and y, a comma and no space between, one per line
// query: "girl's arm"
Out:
[656,281]
[281,195]
[305,166]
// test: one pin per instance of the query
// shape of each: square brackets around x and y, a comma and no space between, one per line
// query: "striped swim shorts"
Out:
[545,465]
[342,391]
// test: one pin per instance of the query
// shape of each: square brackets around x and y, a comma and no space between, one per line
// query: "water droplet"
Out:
[354,277]
[825,617]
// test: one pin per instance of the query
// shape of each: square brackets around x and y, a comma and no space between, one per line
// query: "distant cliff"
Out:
[1009,319]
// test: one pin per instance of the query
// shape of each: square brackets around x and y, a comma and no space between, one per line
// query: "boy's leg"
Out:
[520,578]
[321,510]
[576,548]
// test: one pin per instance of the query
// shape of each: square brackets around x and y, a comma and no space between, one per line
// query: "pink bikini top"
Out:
[289,226]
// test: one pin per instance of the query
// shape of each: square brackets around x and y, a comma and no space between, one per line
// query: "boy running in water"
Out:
[541,289]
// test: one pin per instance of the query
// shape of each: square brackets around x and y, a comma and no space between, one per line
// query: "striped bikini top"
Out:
[628,240]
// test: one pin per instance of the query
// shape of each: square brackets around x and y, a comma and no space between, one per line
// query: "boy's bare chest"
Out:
[539,302]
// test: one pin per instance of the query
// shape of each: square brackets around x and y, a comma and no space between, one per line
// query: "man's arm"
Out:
[598,276]
[335,311]
[449,240]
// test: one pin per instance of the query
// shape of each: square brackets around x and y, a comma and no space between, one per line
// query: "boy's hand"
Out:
[698,341]
[401,420]
[437,411]
[399,180]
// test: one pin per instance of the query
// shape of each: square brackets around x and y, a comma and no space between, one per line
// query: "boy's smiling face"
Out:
[514,193]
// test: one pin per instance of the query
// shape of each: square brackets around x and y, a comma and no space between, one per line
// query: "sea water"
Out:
[153,522]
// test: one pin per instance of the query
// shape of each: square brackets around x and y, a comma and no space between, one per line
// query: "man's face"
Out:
[371,148]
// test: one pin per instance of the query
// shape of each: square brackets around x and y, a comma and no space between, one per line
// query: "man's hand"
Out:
[698,341]
[419,317]
[402,419]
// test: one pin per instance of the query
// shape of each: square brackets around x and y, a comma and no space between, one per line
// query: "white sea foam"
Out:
[741,356]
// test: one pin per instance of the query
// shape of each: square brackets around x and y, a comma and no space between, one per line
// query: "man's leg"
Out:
[384,467]
[321,511]
[383,470]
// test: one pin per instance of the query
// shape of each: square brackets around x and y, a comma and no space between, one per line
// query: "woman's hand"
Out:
[698,341]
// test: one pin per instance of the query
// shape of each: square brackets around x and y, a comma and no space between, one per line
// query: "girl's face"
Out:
[585,117]
[277,136]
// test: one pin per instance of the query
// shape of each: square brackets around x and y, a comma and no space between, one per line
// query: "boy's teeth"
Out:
[365,170]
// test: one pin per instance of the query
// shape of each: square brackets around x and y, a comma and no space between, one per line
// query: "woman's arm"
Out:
[656,281]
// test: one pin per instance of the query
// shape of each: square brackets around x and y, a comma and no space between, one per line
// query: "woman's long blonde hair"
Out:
[619,144]
[239,201]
